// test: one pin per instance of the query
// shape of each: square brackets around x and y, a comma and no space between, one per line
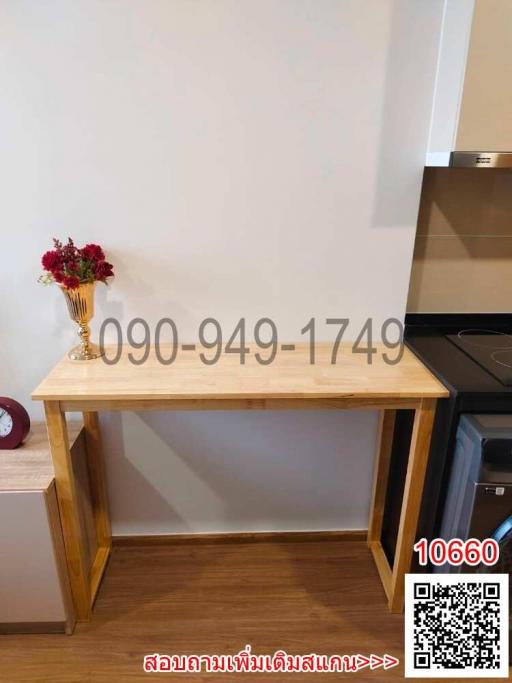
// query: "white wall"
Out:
[235,157]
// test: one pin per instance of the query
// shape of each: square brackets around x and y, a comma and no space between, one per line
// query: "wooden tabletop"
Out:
[289,376]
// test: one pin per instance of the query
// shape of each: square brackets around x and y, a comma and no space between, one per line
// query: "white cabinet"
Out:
[34,590]
[472,108]
[34,587]
[485,121]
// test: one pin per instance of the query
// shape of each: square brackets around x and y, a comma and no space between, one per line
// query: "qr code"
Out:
[456,626]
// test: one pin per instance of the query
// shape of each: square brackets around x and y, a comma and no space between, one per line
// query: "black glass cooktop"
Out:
[490,349]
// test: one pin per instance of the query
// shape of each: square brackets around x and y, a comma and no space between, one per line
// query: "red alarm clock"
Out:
[14,423]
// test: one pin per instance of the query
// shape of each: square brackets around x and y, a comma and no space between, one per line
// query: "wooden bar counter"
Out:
[289,382]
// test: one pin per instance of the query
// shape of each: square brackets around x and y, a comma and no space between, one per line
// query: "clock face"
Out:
[5,423]
[14,423]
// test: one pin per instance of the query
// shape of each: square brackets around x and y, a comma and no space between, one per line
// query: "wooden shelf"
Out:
[29,467]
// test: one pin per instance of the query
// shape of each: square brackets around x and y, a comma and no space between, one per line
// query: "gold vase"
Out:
[80,303]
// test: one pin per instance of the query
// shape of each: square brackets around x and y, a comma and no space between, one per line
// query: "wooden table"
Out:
[289,382]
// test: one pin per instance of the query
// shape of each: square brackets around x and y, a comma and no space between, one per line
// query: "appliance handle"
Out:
[502,530]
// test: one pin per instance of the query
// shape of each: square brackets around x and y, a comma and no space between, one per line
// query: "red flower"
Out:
[51,261]
[71,266]
[71,282]
[102,270]
[92,252]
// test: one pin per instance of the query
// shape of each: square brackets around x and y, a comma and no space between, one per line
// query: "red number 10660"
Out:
[455,552]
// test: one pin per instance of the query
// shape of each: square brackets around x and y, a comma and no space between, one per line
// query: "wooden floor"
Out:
[316,596]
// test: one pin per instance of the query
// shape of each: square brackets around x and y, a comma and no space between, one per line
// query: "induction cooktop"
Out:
[492,350]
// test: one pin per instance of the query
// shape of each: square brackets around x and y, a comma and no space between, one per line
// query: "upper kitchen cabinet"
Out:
[472,108]
[485,121]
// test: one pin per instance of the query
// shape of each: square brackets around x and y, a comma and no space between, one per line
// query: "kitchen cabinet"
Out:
[485,121]
[472,107]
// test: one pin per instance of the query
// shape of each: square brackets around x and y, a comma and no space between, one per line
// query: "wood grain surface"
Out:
[29,467]
[291,375]
[320,597]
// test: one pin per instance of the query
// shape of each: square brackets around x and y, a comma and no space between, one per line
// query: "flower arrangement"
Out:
[71,267]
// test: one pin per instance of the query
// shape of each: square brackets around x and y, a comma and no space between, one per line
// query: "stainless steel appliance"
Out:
[479,498]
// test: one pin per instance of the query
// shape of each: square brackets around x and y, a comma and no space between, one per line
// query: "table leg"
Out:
[99,498]
[380,483]
[416,468]
[381,474]
[68,508]
[96,468]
